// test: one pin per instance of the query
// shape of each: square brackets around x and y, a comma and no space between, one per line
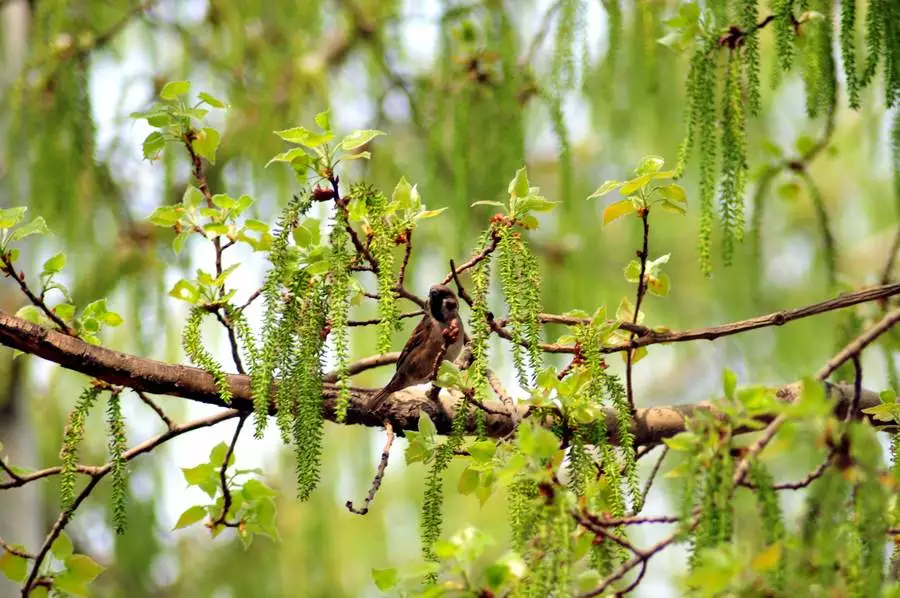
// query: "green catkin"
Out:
[891,15]
[521,282]
[693,114]
[197,353]
[72,437]
[273,333]
[848,50]
[119,472]
[734,159]
[749,19]
[819,72]
[522,510]
[287,337]
[784,32]
[870,503]
[875,21]
[382,248]
[568,25]
[828,242]
[704,103]
[338,310]
[826,515]
[771,515]
[309,419]
[431,520]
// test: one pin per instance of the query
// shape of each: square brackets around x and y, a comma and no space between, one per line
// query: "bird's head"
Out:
[442,303]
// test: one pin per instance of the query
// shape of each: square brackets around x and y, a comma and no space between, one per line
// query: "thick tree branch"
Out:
[650,425]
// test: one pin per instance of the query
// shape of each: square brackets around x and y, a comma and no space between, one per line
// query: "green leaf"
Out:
[217,455]
[62,547]
[537,442]
[358,139]
[658,285]
[207,143]
[805,144]
[323,119]
[179,241]
[468,481]
[303,136]
[384,579]
[635,184]
[669,206]
[190,516]
[448,375]
[483,450]
[254,489]
[729,383]
[296,157]
[14,567]
[485,202]
[185,290]
[683,441]
[111,318]
[426,426]
[358,156]
[192,197]
[212,101]
[173,89]
[153,144]
[35,227]
[257,226]
[649,165]
[605,188]
[223,201]
[29,313]
[429,214]
[55,264]
[402,195]
[165,216]
[633,271]
[11,216]
[536,203]
[623,207]
[673,192]
[519,185]
[83,568]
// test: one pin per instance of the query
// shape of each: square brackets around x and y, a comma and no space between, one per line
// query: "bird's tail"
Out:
[376,401]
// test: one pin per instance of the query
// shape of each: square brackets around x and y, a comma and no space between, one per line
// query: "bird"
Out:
[416,362]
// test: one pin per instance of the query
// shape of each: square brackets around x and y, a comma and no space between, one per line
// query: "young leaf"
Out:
[649,165]
[519,185]
[153,144]
[190,516]
[605,188]
[83,568]
[14,567]
[673,192]
[55,264]
[429,214]
[357,139]
[165,216]
[623,207]
[62,547]
[173,89]
[323,119]
[384,579]
[35,227]
[212,101]
[303,136]
[207,143]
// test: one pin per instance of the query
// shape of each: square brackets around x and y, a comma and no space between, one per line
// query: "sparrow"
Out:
[416,362]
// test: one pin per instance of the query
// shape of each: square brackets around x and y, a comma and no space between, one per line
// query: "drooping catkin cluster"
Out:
[193,347]
[771,515]
[479,329]
[550,553]
[716,507]
[819,71]
[280,319]
[520,279]
[339,309]
[72,437]
[382,247]
[118,443]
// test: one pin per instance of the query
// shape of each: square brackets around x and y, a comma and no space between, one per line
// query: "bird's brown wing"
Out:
[408,364]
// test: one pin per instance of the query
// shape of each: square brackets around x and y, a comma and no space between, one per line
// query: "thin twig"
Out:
[19,277]
[223,479]
[859,343]
[159,411]
[379,474]
[650,478]
[641,291]
[362,365]
[477,258]
[12,550]
[376,321]
[232,340]
[892,258]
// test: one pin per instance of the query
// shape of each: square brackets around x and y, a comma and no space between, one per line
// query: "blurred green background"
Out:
[467,92]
